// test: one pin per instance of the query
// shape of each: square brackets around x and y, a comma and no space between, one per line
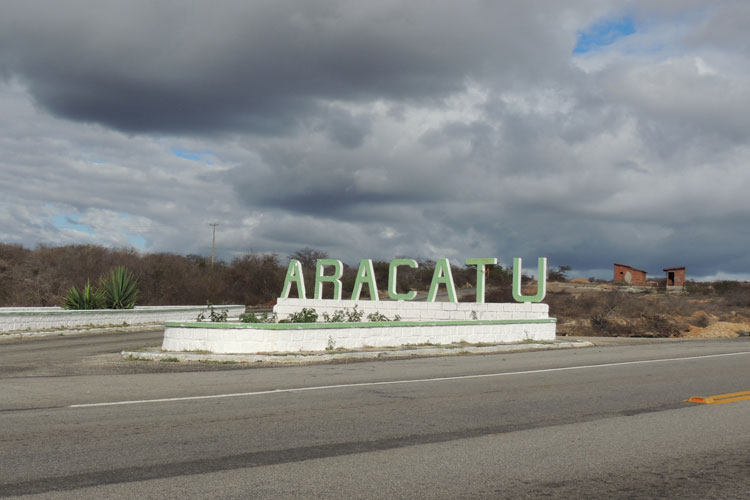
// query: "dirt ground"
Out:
[706,311]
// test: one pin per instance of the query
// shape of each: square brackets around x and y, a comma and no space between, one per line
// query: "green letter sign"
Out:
[392,272]
[335,278]
[442,275]
[541,288]
[365,275]
[480,263]
[294,275]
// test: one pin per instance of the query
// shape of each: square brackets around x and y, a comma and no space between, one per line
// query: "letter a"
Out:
[294,275]
[365,275]
[443,275]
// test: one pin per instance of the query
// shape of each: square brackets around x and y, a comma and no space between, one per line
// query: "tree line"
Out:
[41,276]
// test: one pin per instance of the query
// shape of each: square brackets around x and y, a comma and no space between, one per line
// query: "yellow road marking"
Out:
[721,398]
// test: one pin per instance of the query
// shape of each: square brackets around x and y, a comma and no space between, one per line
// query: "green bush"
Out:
[377,316]
[120,289]
[306,315]
[353,315]
[213,316]
[251,317]
[88,298]
[338,316]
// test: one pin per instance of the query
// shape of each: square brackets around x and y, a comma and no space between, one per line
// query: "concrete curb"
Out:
[353,355]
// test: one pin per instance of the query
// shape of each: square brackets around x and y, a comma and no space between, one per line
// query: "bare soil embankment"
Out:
[707,310]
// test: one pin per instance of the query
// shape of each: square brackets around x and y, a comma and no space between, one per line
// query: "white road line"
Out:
[407,381]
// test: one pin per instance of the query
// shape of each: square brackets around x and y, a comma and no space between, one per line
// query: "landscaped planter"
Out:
[49,318]
[420,323]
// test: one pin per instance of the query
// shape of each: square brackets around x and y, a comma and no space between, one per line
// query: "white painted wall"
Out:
[418,311]
[248,339]
[44,318]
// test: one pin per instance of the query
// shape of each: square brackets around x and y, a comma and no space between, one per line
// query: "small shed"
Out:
[629,275]
[675,277]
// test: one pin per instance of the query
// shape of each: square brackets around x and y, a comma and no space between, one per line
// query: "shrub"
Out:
[700,319]
[343,316]
[120,289]
[354,316]
[338,316]
[377,316]
[88,298]
[559,274]
[659,325]
[213,316]
[738,297]
[306,315]
[251,317]
[599,322]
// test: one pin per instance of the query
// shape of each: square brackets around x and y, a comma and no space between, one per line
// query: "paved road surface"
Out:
[605,422]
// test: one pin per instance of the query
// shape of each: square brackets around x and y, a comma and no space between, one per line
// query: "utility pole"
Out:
[213,243]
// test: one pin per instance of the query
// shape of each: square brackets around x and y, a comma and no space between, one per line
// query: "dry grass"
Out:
[720,310]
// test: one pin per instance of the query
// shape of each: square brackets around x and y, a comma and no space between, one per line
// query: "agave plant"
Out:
[88,298]
[120,289]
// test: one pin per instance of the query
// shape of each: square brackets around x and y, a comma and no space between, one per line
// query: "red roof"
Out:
[633,268]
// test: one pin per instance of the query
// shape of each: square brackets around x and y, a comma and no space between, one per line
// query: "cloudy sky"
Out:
[587,131]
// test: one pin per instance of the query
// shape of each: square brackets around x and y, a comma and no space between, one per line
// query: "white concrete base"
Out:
[295,337]
[46,318]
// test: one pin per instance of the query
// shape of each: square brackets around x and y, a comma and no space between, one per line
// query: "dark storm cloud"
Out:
[203,67]
[375,129]
[334,182]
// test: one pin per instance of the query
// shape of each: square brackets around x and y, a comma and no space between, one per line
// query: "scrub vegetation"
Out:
[720,309]
[43,276]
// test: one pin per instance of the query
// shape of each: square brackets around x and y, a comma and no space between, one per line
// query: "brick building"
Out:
[629,275]
[675,277]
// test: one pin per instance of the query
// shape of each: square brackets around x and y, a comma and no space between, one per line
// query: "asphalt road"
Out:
[604,422]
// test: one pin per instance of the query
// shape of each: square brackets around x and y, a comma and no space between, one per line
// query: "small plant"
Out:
[219,317]
[331,344]
[660,325]
[354,316]
[213,316]
[306,315]
[251,317]
[309,315]
[120,289]
[377,316]
[344,316]
[700,319]
[599,321]
[338,316]
[88,298]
